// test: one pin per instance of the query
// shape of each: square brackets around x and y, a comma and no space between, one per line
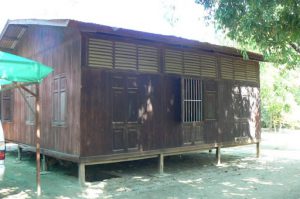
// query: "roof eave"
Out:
[96,28]
[169,39]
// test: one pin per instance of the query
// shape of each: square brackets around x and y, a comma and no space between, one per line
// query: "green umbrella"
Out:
[15,69]
[21,71]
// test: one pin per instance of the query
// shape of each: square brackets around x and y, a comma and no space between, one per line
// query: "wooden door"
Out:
[125,113]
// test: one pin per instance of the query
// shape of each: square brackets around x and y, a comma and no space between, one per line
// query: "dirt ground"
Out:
[276,174]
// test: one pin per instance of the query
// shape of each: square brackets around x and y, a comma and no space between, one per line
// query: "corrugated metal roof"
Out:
[12,36]
[15,29]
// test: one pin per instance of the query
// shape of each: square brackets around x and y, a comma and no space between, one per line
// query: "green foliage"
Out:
[280,103]
[270,26]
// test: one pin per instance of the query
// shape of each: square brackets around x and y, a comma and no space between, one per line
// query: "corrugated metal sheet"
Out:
[11,36]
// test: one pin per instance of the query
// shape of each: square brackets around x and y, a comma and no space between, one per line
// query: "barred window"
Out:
[192,100]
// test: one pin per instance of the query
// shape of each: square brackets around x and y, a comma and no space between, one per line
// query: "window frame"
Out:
[208,103]
[29,115]
[61,121]
[192,94]
[125,92]
[10,99]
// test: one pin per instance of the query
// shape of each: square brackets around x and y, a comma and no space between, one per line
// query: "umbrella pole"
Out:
[38,134]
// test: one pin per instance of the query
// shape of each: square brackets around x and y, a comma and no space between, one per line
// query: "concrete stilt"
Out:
[44,163]
[161,163]
[19,153]
[257,149]
[218,155]
[81,174]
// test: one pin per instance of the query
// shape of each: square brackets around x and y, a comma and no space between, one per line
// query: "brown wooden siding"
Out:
[60,49]
[162,127]
[106,130]
[131,101]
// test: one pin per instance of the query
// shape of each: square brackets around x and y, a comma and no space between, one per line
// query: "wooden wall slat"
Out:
[60,49]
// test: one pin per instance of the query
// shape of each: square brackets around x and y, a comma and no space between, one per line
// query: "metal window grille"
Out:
[192,100]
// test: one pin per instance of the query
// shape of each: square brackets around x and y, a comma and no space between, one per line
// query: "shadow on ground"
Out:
[241,175]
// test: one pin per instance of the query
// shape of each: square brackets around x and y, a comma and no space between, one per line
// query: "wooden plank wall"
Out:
[226,100]
[163,128]
[90,130]
[239,112]
[60,49]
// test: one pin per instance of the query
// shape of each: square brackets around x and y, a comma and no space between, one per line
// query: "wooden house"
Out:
[118,95]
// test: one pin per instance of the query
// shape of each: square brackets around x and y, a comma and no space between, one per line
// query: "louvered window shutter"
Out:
[192,64]
[208,66]
[173,61]
[125,56]
[226,68]
[240,70]
[100,53]
[148,59]
[252,72]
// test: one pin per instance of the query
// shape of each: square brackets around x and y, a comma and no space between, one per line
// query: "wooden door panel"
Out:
[132,106]
[125,112]
[118,106]
[132,137]
[118,140]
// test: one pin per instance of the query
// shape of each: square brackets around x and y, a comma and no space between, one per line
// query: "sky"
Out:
[144,15]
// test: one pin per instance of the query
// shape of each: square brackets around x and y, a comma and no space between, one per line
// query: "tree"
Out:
[280,91]
[270,26]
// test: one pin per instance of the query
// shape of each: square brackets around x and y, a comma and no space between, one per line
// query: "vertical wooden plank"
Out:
[38,134]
